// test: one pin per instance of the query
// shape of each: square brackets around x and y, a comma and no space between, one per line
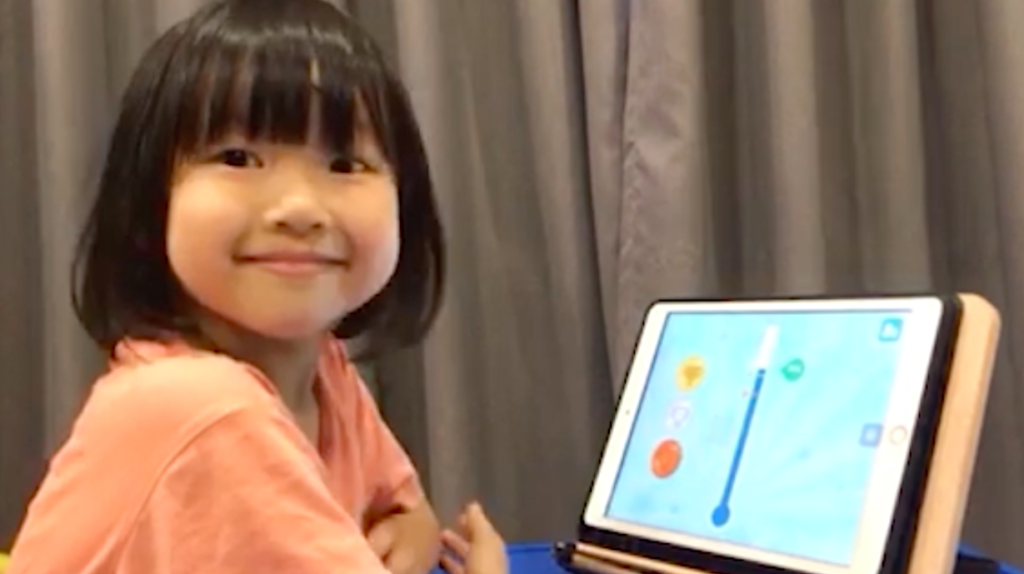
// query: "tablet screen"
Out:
[773,432]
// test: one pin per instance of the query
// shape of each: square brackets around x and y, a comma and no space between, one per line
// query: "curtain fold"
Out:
[21,350]
[515,373]
[997,511]
[73,106]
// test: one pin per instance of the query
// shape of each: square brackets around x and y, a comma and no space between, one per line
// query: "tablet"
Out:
[775,435]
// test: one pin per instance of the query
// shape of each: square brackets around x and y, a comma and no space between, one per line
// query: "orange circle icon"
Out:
[666,458]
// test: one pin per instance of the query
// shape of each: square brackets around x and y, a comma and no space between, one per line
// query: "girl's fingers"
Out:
[382,539]
[477,525]
[456,543]
[452,566]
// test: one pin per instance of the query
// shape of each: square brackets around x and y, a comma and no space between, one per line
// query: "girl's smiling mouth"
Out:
[293,263]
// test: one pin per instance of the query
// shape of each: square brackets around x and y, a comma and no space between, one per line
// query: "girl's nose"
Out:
[298,215]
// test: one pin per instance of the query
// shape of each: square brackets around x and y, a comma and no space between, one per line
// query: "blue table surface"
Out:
[535,558]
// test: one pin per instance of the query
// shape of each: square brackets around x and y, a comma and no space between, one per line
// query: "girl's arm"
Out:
[402,526]
[408,541]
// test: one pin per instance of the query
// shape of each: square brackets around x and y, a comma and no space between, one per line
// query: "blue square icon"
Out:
[871,435]
[891,330]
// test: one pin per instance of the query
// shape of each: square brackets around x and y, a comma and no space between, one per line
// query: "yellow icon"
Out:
[690,373]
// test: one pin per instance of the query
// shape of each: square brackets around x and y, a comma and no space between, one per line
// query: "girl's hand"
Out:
[479,549]
[407,542]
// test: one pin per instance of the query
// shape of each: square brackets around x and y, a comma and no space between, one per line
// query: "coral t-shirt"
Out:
[189,462]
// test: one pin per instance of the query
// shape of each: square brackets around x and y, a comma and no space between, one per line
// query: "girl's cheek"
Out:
[373,230]
[203,228]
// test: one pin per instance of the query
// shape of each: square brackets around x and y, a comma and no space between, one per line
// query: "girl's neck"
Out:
[290,365]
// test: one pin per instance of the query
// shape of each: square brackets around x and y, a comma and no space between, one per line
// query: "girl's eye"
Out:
[349,165]
[238,158]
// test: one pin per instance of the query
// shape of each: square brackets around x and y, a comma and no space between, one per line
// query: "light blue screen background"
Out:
[801,480]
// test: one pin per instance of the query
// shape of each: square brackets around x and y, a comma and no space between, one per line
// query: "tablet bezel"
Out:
[903,523]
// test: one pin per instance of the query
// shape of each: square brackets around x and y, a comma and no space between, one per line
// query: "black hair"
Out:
[246,65]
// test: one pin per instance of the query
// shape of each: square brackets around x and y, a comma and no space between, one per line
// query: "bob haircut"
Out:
[247,65]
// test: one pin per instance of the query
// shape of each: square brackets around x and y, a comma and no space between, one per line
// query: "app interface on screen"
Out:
[760,429]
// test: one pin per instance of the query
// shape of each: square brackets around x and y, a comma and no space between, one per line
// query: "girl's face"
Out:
[284,240]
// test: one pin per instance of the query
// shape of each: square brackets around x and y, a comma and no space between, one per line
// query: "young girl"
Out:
[266,193]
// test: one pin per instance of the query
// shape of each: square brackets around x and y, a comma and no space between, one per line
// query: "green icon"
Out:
[793,370]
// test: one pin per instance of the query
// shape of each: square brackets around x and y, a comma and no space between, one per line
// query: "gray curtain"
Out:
[590,156]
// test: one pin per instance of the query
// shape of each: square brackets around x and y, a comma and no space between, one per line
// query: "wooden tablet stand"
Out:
[952,464]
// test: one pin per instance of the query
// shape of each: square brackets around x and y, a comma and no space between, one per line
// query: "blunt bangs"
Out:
[264,70]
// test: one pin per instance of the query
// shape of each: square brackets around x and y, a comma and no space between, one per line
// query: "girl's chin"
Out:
[295,334]
[291,330]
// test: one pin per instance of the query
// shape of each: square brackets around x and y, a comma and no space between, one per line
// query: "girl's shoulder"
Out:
[163,392]
[157,414]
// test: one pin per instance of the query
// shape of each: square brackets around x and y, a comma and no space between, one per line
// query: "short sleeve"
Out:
[393,479]
[245,496]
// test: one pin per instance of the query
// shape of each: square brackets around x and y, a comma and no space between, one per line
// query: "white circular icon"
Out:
[678,414]
[897,435]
